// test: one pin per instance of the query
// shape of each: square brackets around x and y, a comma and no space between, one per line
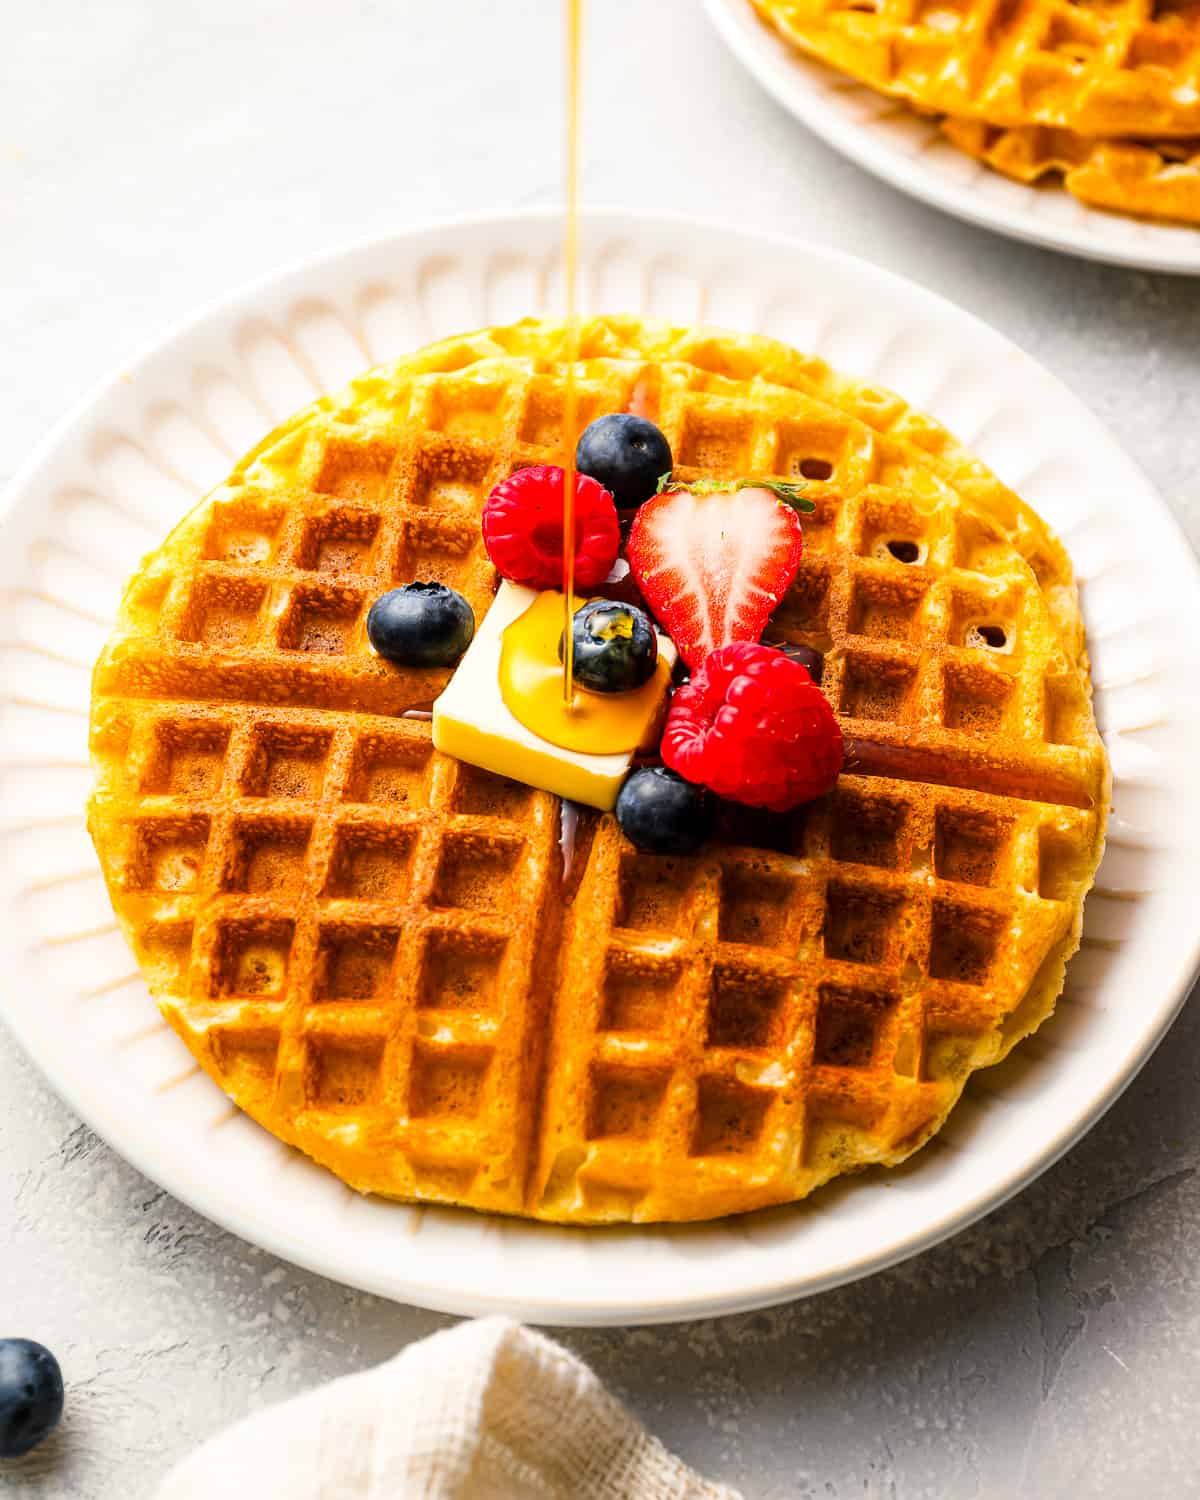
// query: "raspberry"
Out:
[523,529]
[753,727]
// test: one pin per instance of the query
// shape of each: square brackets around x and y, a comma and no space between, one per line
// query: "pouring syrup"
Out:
[574,22]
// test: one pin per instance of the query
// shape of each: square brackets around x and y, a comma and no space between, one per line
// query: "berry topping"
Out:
[421,625]
[616,649]
[523,529]
[627,454]
[714,560]
[661,812]
[753,727]
[31,1395]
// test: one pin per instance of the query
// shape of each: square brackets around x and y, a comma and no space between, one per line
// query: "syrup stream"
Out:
[574,19]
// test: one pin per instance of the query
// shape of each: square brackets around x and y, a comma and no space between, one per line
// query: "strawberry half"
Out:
[714,559]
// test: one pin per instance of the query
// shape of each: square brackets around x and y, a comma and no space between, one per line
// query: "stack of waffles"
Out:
[397,963]
[1102,93]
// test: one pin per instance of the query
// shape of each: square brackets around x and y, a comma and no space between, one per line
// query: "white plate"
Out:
[909,151]
[119,472]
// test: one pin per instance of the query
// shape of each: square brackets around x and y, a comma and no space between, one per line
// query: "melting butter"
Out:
[531,684]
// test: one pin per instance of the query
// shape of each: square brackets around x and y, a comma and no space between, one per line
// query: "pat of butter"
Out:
[472,722]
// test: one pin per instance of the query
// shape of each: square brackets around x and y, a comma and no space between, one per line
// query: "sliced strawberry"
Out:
[714,565]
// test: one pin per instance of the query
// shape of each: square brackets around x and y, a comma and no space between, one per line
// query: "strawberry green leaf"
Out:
[790,494]
[782,489]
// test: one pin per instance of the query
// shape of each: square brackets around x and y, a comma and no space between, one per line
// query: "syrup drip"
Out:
[574,20]
[568,829]
[531,687]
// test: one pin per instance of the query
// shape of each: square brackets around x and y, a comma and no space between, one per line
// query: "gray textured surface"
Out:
[155,155]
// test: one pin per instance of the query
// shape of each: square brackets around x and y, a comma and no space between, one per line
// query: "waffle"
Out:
[1105,95]
[1131,68]
[1151,179]
[374,949]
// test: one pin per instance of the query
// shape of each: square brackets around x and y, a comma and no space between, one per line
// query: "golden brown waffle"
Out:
[371,947]
[1107,96]
[1151,179]
[737,1028]
[1126,68]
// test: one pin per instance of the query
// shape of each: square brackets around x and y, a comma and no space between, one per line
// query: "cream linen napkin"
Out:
[484,1411]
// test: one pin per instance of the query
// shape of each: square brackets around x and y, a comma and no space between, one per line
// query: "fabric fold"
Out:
[484,1411]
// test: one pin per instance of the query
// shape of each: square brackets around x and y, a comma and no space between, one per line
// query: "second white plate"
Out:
[909,152]
[121,471]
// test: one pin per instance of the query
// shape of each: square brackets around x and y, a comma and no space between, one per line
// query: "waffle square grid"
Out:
[372,947]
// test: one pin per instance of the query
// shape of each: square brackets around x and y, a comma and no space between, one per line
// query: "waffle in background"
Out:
[1104,95]
[1152,179]
[1128,68]
[372,948]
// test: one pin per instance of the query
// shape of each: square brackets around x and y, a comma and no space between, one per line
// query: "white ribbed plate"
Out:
[909,151]
[122,469]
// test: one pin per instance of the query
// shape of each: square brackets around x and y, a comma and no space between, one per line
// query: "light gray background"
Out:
[155,154]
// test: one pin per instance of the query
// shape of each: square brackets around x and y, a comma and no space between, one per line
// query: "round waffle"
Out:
[1129,68]
[373,948]
[1105,95]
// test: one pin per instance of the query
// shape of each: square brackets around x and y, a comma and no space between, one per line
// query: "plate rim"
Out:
[100,1112]
[780,77]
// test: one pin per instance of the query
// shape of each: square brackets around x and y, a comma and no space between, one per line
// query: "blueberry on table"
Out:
[662,813]
[616,648]
[627,454]
[31,1395]
[421,625]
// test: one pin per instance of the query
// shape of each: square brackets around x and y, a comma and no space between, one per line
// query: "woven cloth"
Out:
[484,1411]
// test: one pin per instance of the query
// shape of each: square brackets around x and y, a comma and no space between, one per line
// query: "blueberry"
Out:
[616,648]
[807,657]
[661,812]
[421,625]
[31,1395]
[627,454]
